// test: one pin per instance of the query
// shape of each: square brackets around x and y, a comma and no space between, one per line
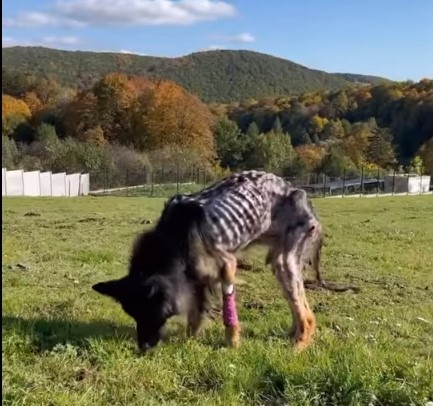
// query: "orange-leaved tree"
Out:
[166,114]
[14,106]
[311,155]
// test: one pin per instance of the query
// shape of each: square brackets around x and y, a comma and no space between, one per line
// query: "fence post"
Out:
[420,181]
[407,184]
[6,184]
[106,181]
[177,178]
[127,182]
[362,180]
[378,178]
[393,182]
[151,182]
[324,185]
[344,181]
[22,177]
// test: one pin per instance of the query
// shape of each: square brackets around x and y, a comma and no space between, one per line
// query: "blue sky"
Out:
[390,38]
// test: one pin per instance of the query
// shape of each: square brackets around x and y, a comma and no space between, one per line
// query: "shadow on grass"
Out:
[46,333]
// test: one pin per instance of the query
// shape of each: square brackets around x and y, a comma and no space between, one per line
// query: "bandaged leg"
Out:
[230,315]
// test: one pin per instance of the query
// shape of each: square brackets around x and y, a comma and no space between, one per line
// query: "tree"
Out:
[115,96]
[80,115]
[335,163]
[13,106]
[33,102]
[10,153]
[333,129]
[380,150]
[52,93]
[355,145]
[229,142]
[253,130]
[169,115]
[272,152]
[277,127]
[417,164]
[311,156]
[16,126]
[46,134]
[426,153]
[95,135]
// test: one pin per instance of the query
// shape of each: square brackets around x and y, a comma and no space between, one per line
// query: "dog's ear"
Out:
[151,288]
[115,288]
[155,289]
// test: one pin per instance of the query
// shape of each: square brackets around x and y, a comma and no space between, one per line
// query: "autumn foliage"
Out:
[135,111]
[13,106]
[358,127]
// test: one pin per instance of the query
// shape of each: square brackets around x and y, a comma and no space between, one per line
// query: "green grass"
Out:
[63,344]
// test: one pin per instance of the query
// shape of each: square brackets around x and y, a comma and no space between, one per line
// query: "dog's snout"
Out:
[144,346]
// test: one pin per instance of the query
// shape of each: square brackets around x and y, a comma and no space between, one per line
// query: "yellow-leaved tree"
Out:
[166,114]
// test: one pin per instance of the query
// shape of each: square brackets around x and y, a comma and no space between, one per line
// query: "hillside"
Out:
[356,78]
[220,76]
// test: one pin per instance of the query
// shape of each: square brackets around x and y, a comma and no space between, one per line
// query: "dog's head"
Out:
[150,302]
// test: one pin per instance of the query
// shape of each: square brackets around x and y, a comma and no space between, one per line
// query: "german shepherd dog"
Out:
[176,266]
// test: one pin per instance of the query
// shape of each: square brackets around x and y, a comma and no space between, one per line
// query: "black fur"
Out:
[160,274]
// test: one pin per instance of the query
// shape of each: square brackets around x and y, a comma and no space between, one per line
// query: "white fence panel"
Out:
[45,179]
[73,185]
[58,184]
[32,185]
[84,184]
[14,183]
[3,181]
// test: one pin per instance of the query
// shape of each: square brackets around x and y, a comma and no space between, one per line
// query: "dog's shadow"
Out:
[44,334]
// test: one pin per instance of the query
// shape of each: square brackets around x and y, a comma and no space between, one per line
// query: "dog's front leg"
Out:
[197,310]
[230,315]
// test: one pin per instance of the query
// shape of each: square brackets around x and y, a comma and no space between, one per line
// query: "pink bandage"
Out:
[230,314]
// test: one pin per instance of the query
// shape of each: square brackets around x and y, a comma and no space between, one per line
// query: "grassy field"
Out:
[63,344]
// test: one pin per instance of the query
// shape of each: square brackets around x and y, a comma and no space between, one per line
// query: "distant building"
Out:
[407,183]
[349,185]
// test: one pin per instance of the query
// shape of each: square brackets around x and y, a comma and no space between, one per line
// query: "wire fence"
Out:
[164,182]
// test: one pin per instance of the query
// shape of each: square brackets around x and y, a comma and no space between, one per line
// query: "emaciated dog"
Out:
[192,249]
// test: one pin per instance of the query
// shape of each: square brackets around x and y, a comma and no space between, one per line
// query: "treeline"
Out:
[131,123]
[217,76]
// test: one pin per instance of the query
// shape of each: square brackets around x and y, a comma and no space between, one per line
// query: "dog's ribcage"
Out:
[240,208]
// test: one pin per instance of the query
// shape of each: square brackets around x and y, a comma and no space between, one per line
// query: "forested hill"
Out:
[218,76]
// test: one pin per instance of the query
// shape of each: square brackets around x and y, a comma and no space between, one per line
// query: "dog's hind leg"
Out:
[287,270]
[230,315]
[287,258]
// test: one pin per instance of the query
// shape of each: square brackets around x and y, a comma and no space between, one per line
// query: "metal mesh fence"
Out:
[165,182]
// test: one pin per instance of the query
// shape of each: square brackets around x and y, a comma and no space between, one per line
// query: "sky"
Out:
[388,38]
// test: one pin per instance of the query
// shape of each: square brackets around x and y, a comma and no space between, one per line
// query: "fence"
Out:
[36,183]
[164,182]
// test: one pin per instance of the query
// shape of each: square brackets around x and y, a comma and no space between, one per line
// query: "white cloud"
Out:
[213,48]
[127,51]
[12,42]
[242,38]
[68,40]
[44,41]
[76,13]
